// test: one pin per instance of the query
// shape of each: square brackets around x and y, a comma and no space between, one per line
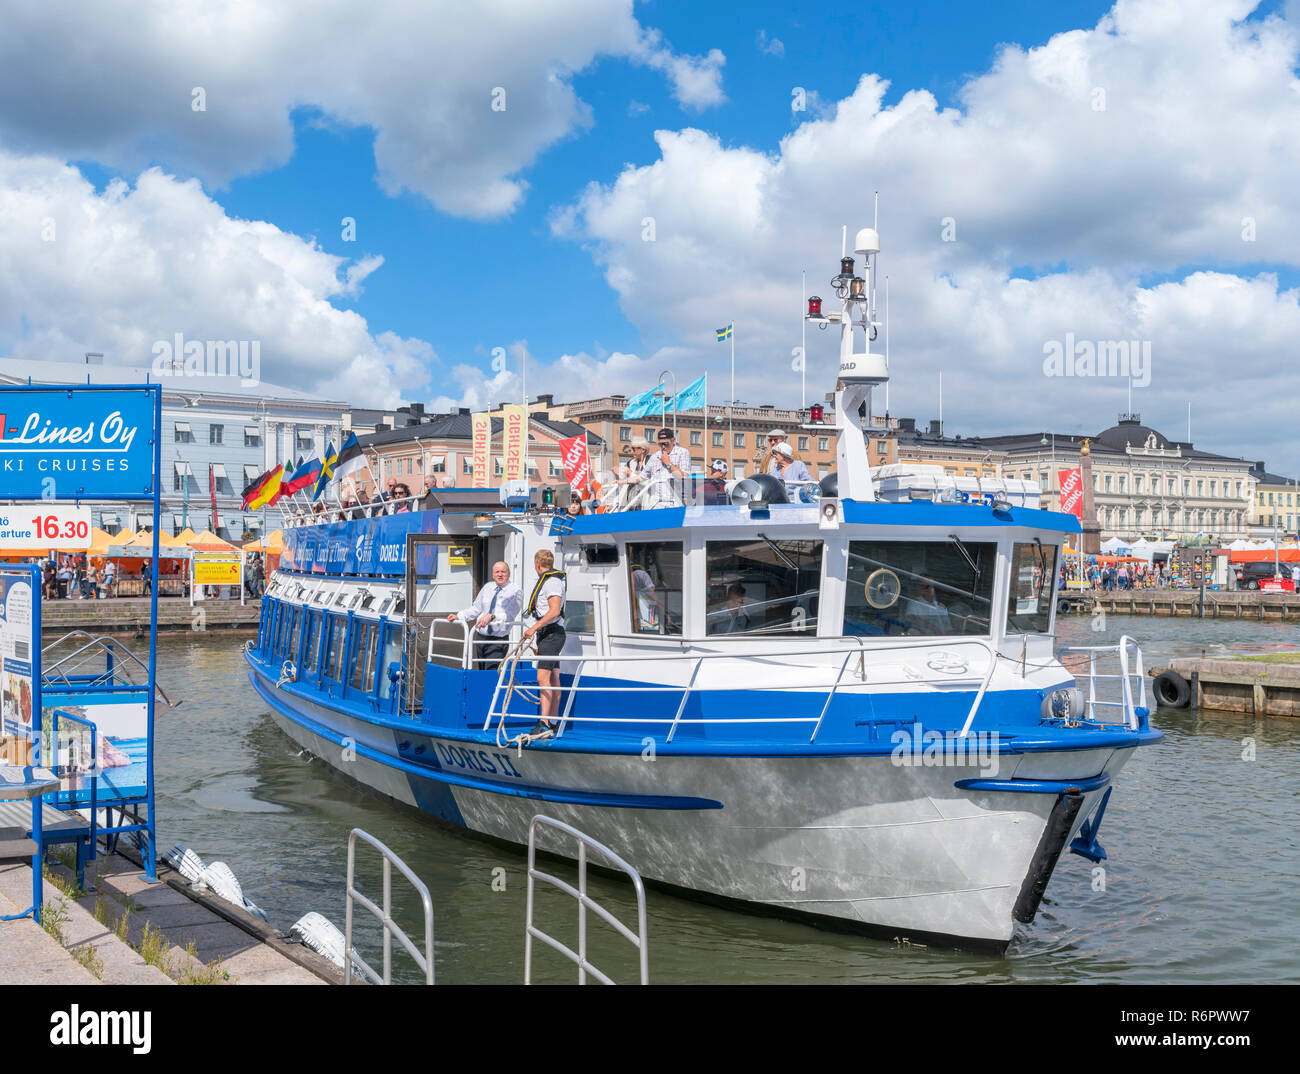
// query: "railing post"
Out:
[685,695]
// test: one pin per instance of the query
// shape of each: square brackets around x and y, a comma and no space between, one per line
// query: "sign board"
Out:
[20,661]
[515,442]
[1071,485]
[121,750]
[77,443]
[216,571]
[481,427]
[60,527]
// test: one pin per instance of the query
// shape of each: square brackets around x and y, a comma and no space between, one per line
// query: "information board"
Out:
[20,662]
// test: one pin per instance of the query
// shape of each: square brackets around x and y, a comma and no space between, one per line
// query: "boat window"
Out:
[361,638]
[291,650]
[338,633]
[579,616]
[392,655]
[654,574]
[1033,577]
[919,587]
[372,643]
[763,586]
[313,637]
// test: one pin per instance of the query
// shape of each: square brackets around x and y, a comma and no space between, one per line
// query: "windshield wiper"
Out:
[965,554]
[776,548]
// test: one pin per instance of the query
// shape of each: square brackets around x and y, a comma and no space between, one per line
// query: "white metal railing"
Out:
[385,916]
[664,491]
[945,675]
[1129,657]
[470,639]
[338,512]
[638,939]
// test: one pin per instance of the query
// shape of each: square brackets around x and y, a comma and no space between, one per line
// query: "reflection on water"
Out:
[1200,885]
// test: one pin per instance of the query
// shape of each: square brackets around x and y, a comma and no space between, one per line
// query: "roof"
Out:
[461,427]
[45,371]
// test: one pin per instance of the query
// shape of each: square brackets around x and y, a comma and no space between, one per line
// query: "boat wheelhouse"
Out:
[846,708]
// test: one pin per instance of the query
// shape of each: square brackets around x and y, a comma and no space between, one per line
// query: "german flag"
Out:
[254,487]
[269,492]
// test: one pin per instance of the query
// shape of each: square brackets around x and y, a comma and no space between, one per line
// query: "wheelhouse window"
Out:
[763,586]
[919,588]
[655,587]
[1033,578]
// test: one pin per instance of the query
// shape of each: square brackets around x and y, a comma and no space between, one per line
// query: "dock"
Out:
[129,931]
[1175,603]
[130,615]
[1250,687]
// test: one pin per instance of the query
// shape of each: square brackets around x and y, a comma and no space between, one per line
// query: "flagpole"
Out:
[803,349]
[731,406]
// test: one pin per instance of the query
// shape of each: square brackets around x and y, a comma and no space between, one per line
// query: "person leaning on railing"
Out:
[497,605]
[787,468]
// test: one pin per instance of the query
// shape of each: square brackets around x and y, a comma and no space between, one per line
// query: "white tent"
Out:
[1115,547]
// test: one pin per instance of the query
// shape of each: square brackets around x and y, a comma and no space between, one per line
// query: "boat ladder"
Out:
[385,916]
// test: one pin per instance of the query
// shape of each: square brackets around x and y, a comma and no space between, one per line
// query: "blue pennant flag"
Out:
[641,405]
[691,397]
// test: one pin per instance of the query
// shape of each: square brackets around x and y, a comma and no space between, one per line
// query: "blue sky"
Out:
[1124,218]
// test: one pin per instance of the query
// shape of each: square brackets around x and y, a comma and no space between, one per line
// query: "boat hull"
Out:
[858,842]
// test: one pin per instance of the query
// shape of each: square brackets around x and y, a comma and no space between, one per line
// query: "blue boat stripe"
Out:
[1035,786]
[544,794]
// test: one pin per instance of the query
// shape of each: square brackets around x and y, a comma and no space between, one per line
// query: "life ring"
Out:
[1172,690]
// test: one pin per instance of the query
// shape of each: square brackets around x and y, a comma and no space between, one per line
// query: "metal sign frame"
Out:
[87,491]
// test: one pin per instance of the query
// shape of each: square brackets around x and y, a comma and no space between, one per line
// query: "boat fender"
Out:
[185,861]
[1172,690]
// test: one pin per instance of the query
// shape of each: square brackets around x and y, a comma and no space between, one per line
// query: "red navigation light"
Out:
[846,268]
[815,413]
[814,306]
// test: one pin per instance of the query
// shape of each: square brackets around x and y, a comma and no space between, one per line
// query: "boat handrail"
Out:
[638,939]
[1126,650]
[385,916]
[95,645]
[859,648]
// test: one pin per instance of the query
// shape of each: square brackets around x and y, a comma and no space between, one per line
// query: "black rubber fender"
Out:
[1172,691]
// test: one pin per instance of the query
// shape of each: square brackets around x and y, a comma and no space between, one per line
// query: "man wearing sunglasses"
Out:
[669,462]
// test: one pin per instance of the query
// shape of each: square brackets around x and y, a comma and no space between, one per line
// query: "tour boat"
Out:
[838,702]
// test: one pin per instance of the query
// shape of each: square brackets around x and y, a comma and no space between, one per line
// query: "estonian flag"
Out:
[351,458]
[725,333]
[326,474]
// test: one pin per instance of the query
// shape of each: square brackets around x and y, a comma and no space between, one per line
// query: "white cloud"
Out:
[770,46]
[1200,130]
[114,272]
[93,85]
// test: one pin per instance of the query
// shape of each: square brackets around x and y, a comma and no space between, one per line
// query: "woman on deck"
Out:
[546,605]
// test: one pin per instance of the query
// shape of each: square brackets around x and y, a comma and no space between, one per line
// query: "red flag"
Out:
[577,463]
[212,489]
[1071,482]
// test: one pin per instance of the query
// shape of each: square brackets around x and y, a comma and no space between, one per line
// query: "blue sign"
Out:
[75,443]
[374,546]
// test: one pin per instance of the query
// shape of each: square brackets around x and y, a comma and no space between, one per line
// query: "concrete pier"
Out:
[129,615]
[1253,688]
[1176,603]
[128,931]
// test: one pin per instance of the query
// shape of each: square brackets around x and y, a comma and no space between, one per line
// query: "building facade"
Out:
[1275,509]
[217,435]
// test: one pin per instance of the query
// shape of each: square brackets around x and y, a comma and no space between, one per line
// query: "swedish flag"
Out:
[326,471]
[724,333]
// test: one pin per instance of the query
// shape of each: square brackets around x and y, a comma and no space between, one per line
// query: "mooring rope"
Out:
[519,741]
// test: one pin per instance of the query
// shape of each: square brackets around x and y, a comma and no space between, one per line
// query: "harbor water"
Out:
[1203,833]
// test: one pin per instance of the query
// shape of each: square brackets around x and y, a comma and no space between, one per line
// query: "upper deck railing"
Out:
[1128,655]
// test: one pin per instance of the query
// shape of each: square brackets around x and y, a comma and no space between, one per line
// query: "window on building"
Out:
[823,443]
[919,587]
[1214,488]
[649,433]
[467,465]
[304,439]
[1044,480]
[654,575]
[252,436]
[739,440]
[182,434]
[215,433]
[803,444]
[624,434]
[697,438]
[1108,482]
[180,476]
[717,440]
[1238,486]
[968,471]
[497,468]
[1033,577]
[762,586]
[1137,482]
[1270,499]
[1122,478]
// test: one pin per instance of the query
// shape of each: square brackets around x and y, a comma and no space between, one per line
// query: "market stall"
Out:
[132,559]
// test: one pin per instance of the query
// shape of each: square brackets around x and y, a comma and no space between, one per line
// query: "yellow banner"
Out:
[209,573]
[482,448]
[515,442]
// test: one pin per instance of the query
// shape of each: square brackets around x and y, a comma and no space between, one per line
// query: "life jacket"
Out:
[541,580]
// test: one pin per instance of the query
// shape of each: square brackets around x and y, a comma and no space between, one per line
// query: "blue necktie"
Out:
[493,606]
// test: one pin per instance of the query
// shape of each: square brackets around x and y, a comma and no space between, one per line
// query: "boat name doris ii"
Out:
[838,701]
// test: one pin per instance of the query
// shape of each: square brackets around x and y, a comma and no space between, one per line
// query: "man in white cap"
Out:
[768,463]
[715,485]
[785,467]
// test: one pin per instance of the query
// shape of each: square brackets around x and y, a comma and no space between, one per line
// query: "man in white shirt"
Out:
[497,605]
[661,468]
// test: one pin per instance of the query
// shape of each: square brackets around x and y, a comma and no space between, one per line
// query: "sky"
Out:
[411,203]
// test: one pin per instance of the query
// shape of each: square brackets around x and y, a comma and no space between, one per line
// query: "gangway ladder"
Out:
[585,902]
[385,916]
